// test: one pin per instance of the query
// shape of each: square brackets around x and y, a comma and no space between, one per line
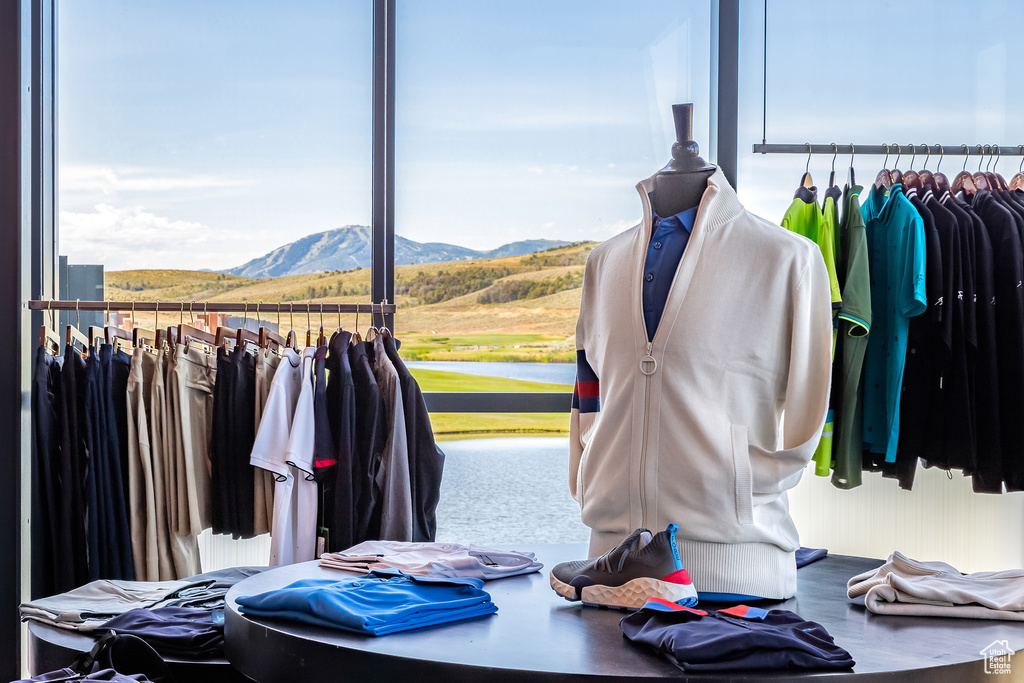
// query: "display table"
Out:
[51,648]
[538,636]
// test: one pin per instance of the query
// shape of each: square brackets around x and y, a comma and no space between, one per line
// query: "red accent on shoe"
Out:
[680,576]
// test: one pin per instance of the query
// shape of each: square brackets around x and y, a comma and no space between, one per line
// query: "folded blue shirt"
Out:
[379,603]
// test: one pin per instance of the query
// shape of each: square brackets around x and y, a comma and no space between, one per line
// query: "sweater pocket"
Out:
[743,476]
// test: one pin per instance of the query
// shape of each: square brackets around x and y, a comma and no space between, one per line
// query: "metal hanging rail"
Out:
[941,150]
[196,307]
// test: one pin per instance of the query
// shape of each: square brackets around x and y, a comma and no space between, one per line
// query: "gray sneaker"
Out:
[643,566]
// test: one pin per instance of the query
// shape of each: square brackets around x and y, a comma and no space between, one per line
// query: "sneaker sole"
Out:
[630,595]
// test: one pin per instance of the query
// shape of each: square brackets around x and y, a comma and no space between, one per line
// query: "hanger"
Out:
[1017,182]
[995,181]
[321,338]
[927,181]
[911,179]
[356,337]
[805,180]
[997,178]
[940,179]
[48,337]
[833,190]
[97,336]
[884,177]
[266,338]
[979,178]
[121,339]
[851,177]
[72,334]
[189,333]
[897,175]
[963,180]
[160,336]
[383,320]
[140,336]
[244,335]
[292,342]
[309,325]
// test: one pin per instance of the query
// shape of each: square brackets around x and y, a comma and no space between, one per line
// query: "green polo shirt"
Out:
[854,322]
[804,217]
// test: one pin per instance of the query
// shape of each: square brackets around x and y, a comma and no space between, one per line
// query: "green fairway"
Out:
[438,380]
[453,426]
[449,426]
[536,348]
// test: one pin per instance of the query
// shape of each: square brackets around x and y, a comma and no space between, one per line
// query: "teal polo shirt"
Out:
[896,258]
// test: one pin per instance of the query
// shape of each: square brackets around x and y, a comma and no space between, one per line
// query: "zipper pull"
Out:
[648,364]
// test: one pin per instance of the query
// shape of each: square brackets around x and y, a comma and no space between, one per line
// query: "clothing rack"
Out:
[942,150]
[208,307]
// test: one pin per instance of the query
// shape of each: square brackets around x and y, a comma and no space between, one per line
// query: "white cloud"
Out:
[93,179]
[132,237]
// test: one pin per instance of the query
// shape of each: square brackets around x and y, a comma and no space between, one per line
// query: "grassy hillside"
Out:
[530,312]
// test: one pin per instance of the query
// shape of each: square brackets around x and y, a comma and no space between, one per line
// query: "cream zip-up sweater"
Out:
[711,422]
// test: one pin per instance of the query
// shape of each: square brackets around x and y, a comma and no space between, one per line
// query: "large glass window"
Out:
[516,123]
[874,73]
[198,135]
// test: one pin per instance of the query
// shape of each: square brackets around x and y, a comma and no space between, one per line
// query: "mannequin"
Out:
[682,424]
[681,183]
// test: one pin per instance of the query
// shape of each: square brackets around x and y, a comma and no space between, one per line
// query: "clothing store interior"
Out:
[442,340]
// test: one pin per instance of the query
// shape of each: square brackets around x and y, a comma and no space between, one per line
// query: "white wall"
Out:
[220,551]
[940,519]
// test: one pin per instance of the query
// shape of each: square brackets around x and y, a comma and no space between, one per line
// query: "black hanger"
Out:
[680,185]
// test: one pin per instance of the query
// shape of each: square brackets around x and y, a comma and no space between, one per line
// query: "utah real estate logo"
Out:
[997,657]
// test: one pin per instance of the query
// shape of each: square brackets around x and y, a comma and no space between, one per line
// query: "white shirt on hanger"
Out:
[284,446]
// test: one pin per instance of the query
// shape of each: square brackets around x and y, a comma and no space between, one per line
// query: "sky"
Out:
[203,134]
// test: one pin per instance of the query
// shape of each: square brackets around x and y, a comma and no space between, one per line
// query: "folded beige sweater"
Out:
[935,589]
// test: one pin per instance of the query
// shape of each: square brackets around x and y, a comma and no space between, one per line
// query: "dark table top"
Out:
[536,635]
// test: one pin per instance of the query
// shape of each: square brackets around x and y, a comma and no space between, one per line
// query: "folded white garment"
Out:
[442,560]
[935,589]
[90,606]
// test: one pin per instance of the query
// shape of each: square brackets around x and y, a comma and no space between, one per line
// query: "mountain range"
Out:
[349,247]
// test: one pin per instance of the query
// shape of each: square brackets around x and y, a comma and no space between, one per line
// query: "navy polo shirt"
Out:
[668,240]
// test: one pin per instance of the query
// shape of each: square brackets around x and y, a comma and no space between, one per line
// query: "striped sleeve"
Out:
[586,406]
[586,395]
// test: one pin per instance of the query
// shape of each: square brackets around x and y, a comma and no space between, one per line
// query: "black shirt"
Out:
[920,376]
[951,432]
[1004,232]
[982,357]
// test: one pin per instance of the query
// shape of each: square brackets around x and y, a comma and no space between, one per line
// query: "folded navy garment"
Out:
[734,639]
[174,631]
[805,556]
[379,603]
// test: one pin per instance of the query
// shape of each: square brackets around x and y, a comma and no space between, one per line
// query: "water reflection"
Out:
[510,490]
